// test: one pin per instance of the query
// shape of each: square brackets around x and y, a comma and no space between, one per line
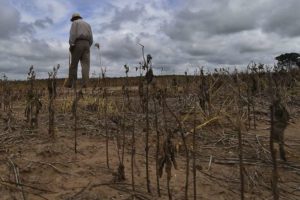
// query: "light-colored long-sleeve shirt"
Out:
[80,30]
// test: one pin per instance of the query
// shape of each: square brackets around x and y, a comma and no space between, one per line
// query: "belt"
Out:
[82,40]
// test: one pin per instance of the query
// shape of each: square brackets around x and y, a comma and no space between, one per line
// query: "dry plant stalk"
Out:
[204,94]
[279,121]
[281,116]
[167,160]
[120,176]
[239,127]
[103,71]
[77,96]
[149,77]
[194,155]
[52,95]
[181,130]
[274,182]
[6,92]
[105,120]
[252,90]
[106,128]
[125,99]
[147,140]
[33,103]
[133,159]
[8,121]
[125,92]
[7,104]
[157,145]
[141,89]
[248,102]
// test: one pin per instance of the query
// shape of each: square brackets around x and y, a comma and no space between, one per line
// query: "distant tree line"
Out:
[288,61]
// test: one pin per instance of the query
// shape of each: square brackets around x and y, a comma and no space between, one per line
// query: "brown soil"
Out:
[49,168]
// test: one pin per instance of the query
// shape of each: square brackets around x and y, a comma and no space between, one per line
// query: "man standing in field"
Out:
[81,39]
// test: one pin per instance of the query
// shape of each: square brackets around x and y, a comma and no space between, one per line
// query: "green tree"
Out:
[287,61]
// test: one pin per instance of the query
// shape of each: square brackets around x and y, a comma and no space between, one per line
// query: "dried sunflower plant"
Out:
[7,104]
[52,95]
[33,102]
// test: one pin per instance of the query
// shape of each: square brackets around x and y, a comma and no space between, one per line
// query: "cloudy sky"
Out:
[181,35]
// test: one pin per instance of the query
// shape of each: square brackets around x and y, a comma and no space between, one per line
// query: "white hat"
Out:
[75,16]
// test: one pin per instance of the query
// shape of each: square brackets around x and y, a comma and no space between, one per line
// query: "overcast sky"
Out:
[181,35]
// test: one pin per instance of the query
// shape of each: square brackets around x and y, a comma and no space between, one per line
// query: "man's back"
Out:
[80,30]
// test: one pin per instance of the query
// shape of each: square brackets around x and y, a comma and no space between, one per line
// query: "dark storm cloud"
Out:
[122,48]
[42,23]
[233,32]
[221,19]
[34,50]
[31,28]
[198,51]
[11,24]
[225,58]
[248,48]
[14,69]
[26,29]
[232,16]
[9,20]
[121,16]
[17,56]
[283,19]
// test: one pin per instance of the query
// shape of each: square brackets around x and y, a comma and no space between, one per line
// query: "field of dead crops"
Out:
[209,136]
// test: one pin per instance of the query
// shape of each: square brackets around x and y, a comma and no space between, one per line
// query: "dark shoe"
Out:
[282,153]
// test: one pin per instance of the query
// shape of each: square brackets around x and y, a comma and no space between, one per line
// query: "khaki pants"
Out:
[81,52]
